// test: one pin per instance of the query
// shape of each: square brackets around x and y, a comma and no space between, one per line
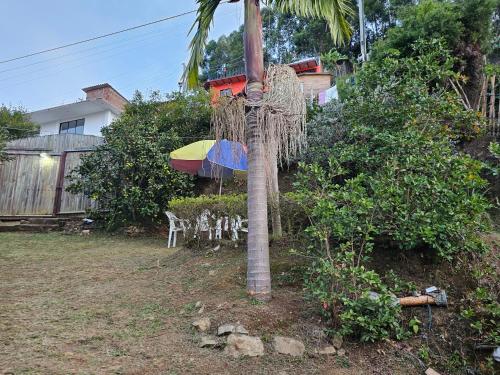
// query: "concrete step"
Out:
[18,226]
[43,220]
[38,227]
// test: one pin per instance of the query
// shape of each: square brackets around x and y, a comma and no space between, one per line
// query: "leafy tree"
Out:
[14,123]
[335,12]
[465,25]
[287,37]
[224,55]
[129,176]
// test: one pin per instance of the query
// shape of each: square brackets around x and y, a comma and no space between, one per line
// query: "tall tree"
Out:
[335,12]
[14,123]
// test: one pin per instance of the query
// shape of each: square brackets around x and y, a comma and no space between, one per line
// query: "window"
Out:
[72,127]
[226,92]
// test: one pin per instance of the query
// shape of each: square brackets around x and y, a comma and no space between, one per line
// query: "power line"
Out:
[98,37]
[102,48]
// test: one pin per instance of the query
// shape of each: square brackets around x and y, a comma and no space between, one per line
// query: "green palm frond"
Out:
[204,19]
[334,12]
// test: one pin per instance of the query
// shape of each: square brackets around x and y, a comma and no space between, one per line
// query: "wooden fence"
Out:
[32,181]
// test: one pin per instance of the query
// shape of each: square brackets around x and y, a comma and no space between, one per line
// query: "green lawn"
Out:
[116,305]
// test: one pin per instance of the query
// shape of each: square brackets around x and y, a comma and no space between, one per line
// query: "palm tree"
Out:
[335,12]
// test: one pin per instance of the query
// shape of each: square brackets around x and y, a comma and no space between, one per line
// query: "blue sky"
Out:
[147,59]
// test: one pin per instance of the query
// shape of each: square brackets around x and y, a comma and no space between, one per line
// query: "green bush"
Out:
[190,208]
[481,306]
[394,179]
[232,205]
[3,142]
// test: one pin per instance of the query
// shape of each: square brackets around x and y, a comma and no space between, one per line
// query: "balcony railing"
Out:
[223,73]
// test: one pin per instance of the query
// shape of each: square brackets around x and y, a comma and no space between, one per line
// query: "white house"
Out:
[102,105]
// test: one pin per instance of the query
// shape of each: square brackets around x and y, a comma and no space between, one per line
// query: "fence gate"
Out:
[28,184]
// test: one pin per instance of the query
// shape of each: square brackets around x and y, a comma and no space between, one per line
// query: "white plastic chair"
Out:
[219,229]
[202,224]
[238,225]
[176,225]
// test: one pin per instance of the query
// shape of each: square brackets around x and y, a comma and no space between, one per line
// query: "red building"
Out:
[309,71]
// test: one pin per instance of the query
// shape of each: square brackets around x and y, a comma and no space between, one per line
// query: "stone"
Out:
[327,350]
[240,329]
[341,352]
[197,305]
[318,333]
[202,324]
[289,346]
[431,371]
[201,310]
[208,342]
[337,341]
[242,345]
[212,272]
[226,329]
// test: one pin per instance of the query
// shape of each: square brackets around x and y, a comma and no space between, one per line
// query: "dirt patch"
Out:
[115,305]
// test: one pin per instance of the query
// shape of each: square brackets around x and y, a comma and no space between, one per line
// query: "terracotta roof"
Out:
[299,66]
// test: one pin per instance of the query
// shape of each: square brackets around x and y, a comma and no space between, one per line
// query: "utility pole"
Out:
[362,34]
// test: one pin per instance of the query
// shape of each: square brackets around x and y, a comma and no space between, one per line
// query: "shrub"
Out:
[232,205]
[481,306]
[3,142]
[190,208]
[394,179]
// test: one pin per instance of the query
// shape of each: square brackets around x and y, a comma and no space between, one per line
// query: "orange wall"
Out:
[237,87]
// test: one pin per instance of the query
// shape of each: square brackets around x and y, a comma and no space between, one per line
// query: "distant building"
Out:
[102,105]
[309,71]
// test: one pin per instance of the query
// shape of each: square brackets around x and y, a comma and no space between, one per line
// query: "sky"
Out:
[146,59]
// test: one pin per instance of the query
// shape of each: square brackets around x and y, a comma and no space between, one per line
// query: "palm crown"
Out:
[334,12]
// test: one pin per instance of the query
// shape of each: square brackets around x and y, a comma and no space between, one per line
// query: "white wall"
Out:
[93,123]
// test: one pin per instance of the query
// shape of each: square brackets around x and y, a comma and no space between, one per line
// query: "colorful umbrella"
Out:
[210,158]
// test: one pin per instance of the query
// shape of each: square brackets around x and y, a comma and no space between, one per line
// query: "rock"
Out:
[327,350]
[208,342]
[240,329]
[201,310]
[337,341]
[242,345]
[197,305]
[318,333]
[287,345]
[226,329]
[341,352]
[202,324]
[212,272]
[430,371]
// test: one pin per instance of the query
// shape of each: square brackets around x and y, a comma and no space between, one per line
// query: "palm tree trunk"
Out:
[258,270]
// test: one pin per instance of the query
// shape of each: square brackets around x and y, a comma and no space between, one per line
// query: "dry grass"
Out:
[115,305]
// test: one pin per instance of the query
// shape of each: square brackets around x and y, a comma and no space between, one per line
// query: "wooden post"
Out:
[484,96]
[491,114]
[59,183]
